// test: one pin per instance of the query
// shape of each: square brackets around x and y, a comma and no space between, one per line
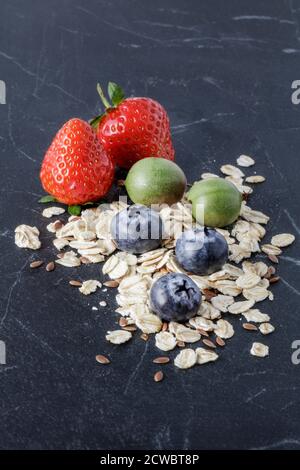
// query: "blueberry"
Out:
[201,251]
[137,229]
[175,297]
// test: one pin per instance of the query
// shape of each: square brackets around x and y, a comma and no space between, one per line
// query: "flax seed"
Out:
[203,332]
[50,266]
[158,376]
[208,343]
[161,360]
[271,271]
[75,283]
[58,225]
[220,341]
[102,359]
[36,264]
[111,283]
[209,294]
[273,258]
[249,327]
[274,279]
[122,322]
[130,328]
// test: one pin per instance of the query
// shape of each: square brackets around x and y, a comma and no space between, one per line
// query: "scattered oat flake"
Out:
[60,243]
[228,288]
[204,356]
[232,170]
[219,275]
[259,350]
[50,211]
[271,250]
[118,336]
[240,307]
[255,179]
[245,161]
[208,311]
[256,316]
[149,323]
[119,271]
[89,286]
[224,329]
[257,293]
[27,237]
[165,341]
[266,328]
[282,240]
[206,176]
[69,260]
[253,216]
[232,270]
[185,359]
[202,323]
[187,335]
[238,253]
[222,302]
[258,268]
[110,264]
[102,303]
[248,280]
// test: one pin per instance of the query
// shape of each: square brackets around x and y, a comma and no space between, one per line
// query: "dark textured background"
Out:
[224,71]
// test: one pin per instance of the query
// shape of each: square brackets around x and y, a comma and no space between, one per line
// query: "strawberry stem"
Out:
[103,98]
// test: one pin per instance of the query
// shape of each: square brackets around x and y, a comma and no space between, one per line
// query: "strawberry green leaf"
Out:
[46,199]
[96,121]
[74,210]
[103,97]
[115,93]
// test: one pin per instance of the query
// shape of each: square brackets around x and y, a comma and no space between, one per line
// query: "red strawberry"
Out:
[134,128]
[76,169]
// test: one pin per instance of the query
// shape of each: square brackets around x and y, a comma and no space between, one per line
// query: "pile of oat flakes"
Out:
[87,240]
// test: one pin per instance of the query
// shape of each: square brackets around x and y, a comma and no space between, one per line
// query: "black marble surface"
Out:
[224,71]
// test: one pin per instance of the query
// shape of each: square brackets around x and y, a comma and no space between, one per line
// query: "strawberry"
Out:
[133,128]
[76,168]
